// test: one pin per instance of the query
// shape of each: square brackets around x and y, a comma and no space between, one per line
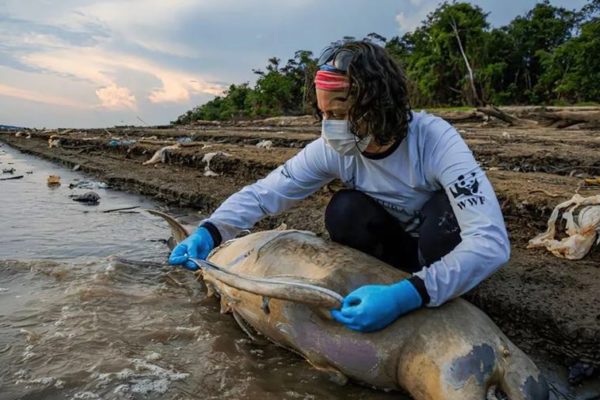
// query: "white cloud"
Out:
[100,67]
[154,13]
[408,22]
[114,97]
[39,97]
[149,24]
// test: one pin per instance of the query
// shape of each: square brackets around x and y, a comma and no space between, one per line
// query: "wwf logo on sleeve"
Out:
[285,172]
[466,191]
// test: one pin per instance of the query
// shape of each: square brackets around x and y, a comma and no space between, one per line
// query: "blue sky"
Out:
[100,63]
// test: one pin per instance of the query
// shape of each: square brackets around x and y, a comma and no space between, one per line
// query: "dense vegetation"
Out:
[551,55]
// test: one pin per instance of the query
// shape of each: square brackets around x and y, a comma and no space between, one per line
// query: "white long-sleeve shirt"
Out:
[433,156]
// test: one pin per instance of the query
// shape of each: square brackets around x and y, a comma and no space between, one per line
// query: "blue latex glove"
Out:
[373,307]
[197,245]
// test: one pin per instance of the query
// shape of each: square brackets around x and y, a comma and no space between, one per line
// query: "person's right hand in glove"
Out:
[197,245]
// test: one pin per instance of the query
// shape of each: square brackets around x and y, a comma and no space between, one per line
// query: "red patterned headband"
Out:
[327,80]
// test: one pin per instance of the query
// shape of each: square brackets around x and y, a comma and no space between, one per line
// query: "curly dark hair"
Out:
[378,94]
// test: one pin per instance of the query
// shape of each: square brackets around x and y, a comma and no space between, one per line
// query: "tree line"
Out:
[550,55]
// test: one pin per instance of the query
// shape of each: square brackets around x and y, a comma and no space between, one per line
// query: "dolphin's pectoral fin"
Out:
[337,377]
[317,360]
[248,330]
[227,303]
[225,306]
[334,374]
[210,290]
[211,286]
[265,305]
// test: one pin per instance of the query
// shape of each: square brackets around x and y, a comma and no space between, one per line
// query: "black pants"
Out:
[357,220]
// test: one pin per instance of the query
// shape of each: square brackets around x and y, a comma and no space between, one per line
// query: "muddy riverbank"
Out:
[545,304]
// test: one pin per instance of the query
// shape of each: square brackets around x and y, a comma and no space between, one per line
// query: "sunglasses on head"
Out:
[334,58]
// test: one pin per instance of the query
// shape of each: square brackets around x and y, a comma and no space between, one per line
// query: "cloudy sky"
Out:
[99,63]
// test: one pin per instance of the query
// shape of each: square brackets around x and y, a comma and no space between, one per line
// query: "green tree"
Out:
[454,58]
[282,90]
[439,55]
[572,71]
[541,31]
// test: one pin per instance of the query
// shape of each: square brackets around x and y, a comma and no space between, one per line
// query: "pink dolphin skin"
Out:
[452,352]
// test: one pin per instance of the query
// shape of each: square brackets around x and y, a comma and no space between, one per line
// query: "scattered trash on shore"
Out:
[121,209]
[160,156]
[265,144]
[184,140]
[583,229]
[592,181]
[91,198]
[121,142]
[53,180]
[53,141]
[20,134]
[207,159]
[11,178]
[581,371]
[77,184]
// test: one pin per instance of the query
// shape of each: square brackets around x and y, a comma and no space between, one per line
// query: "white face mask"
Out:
[337,135]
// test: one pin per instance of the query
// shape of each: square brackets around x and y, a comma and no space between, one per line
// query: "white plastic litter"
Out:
[53,141]
[582,216]
[207,158]
[161,155]
[265,144]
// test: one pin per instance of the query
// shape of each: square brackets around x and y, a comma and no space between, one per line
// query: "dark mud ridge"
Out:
[544,304]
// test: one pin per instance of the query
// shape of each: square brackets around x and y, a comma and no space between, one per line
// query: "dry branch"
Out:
[508,118]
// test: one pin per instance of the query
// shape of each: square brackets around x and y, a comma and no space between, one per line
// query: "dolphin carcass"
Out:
[451,352]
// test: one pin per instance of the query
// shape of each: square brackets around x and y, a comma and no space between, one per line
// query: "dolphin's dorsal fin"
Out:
[179,231]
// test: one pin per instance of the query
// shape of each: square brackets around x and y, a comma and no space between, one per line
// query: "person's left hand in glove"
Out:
[373,307]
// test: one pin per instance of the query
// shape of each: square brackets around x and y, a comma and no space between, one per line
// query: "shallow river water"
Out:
[74,325]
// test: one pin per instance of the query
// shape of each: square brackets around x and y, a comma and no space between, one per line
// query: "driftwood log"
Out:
[508,118]
[548,118]
[564,119]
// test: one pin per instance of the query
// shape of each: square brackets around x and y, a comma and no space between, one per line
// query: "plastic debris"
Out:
[160,156]
[11,178]
[120,142]
[264,144]
[53,141]
[583,228]
[184,140]
[592,181]
[207,159]
[53,180]
[581,371]
[77,184]
[91,198]
[20,134]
